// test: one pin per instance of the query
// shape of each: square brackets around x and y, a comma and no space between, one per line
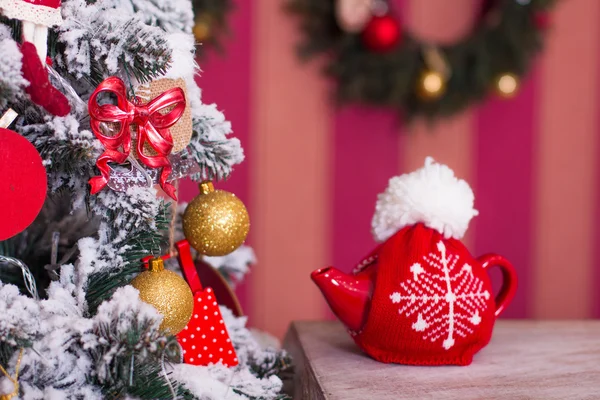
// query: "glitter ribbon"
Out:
[152,125]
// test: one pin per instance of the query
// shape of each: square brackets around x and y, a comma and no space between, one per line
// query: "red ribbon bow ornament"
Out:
[152,127]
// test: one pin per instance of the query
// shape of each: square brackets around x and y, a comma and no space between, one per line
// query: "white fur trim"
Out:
[431,195]
[23,11]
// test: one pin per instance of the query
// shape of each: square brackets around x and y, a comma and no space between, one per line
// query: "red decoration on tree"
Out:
[382,33]
[152,125]
[205,339]
[22,183]
[40,89]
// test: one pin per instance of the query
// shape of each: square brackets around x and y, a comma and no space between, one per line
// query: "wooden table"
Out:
[525,360]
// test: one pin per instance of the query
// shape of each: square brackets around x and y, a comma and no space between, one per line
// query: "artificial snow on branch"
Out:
[171,16]
[66,149]
[19,325]
[210,146]
[99,41]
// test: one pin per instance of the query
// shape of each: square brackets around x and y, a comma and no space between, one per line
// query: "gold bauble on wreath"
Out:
[216,222]
[507,85]
[168,293]
[432,85]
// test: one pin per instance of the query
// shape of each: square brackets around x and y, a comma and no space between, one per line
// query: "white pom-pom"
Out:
[6,386]
[431,195]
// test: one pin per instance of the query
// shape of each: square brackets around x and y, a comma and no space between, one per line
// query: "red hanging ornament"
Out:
[382,33]
[205,339]
[22,185]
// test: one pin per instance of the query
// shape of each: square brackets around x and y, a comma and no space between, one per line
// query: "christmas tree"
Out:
[71,324]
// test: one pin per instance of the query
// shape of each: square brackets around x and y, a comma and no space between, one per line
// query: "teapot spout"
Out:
[347,295]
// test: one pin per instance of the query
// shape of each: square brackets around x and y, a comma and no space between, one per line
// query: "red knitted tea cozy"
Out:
[420,298]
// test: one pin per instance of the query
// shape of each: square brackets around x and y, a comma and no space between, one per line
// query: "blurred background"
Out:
[313,170]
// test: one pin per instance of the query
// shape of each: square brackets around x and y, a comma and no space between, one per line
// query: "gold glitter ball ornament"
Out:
[216,222]
[168,293]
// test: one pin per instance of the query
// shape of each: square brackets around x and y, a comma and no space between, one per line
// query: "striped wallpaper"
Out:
[312,171]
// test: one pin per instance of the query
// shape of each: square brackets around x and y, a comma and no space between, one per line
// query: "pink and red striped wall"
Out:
[312,172]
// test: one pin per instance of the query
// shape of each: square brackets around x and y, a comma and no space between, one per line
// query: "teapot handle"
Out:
[509,279]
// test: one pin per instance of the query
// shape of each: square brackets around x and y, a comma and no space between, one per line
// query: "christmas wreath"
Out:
[377,62]
[210,23]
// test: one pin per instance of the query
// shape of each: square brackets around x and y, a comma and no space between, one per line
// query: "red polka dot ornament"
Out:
[205,339]
[23,181]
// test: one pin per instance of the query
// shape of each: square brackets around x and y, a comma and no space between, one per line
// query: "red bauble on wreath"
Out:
[382,33]
[542,21]
[23,183]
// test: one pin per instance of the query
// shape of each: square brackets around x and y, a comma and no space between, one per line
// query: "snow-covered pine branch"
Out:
[171,16]
[131,228]
[66,148]
[19,324]
[97,41]
[210,146]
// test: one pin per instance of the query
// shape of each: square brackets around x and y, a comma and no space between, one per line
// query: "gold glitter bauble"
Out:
[507,85]
[432,85]
[216,222]
[168,293]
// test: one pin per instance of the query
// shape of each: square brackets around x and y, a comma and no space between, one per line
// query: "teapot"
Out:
[419,297]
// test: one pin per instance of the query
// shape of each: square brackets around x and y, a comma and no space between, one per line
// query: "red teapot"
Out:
[420,298]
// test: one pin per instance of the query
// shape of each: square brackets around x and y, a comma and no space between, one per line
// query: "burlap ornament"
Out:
[182,130]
